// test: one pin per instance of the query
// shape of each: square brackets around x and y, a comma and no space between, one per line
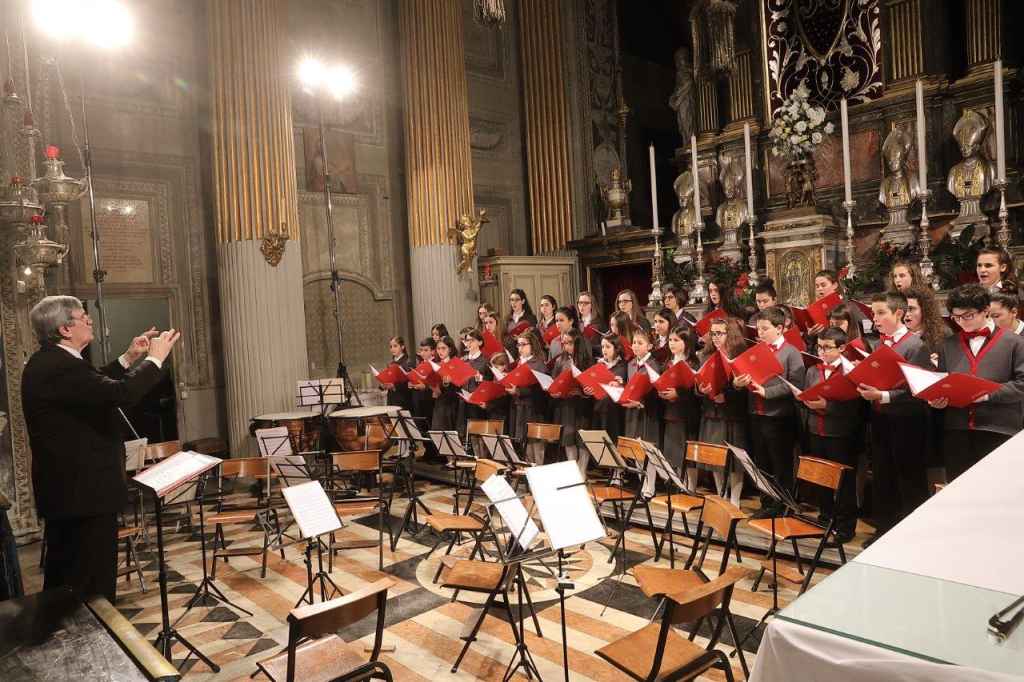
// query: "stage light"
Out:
[107,24]
[311,73]
[341,82]
[59,19]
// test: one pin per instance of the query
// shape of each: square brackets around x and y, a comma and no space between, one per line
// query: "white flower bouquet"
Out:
[799,127]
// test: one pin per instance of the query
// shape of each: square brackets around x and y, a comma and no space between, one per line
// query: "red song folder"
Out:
[519,328]
[795,338]
[961,390]
[820,309]
[491,345]
[679,375]
[551,333]
[594,376]
[801,318]
[627,349]
[392,374]
[713,372]
[424,375]
[564,384]
[836,387]
[634,390]
[880,369]
[521,377]
[855,351]
[458,371]
[864,308]
[759,362]
[485,393]
[704,326]
[590,331]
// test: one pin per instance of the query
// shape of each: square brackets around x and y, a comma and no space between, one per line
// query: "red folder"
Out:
[491,345]
[713,372]
[594,376]
[881,370]
[563,384]
[820,309]
[485,393]
[836,387]
[424,374]
[960,389]
[810,360]
[551,333]
[627,349]
[590,331]
[636,388]
[855,351]
[392,374]
[801,318]
[457,370]
[864,308]
[521,377]
[520,328]
[759,362]
[795,338]
[704,326]
[679,375]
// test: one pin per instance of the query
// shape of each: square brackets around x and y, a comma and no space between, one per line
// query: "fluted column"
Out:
[439,183]
[546,107]
[254,184]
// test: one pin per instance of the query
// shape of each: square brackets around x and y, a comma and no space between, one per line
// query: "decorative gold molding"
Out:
[273,246]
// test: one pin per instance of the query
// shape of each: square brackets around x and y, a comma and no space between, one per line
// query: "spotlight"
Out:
[108,24]
[59,19]
[311,73]
[341,82]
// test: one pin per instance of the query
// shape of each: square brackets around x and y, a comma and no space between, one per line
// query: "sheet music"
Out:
[290,468]
[311,509]
[575,371]
[762,483]
[405,427]
[465,395]
[614,391]
[500,448]
[273,441]
[374,371]
[314,392]
[920,379]
[544,380]
[175,471]
[601,449]
[135,454]
[846,364]
[564,504]
[448,443]
[512,510]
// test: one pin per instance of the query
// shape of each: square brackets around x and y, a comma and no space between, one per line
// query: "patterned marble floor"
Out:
[423,625]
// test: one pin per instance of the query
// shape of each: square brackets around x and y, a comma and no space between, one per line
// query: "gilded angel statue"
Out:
[465,233]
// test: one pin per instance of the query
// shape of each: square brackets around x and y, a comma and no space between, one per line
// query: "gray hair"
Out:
[50,314]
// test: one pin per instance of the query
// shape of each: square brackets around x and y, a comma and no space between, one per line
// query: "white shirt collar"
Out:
[517,316]
[473,356]
[900,332]
[610,364]
[72,351]
[585,320]
[640,361]
[777,343]
[523,361]
[1019,328]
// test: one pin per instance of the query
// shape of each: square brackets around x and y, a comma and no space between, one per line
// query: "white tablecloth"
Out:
[970,533]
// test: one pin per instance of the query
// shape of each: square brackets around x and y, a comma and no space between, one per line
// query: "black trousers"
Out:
[898,461]
[81,553]
[962,449]
[843,451]
[772,440]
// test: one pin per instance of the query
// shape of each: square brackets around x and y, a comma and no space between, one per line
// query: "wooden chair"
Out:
[129,535]
[548,434]
[718,516]
[658,652]
[632,451]
[462,470]
[158,451]
[368,465]
[251,468]
[819,472]
[326,656]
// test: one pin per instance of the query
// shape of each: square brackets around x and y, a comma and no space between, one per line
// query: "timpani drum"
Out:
[303,428]
[349,426]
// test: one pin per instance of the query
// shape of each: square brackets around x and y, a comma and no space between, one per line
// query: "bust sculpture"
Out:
[684,220]
[970,179]
[733,211]
[899,187]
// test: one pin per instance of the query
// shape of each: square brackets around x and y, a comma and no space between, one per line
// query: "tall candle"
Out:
[654,189]
[696,182]
[847,178]
[922,158]
[750,173]
[1000,133]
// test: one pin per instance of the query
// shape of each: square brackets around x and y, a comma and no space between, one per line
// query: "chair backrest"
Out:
[823,472]
[706,453]
[357,460]
[550,433]
[485,468]
[720,515]
[158,451]
[631,448]
[691,605]
[245,467]
[477,427]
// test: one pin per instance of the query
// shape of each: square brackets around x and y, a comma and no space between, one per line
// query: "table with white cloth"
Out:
[915,606]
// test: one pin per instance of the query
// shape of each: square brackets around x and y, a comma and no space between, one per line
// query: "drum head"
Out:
[363,412]
[285,416]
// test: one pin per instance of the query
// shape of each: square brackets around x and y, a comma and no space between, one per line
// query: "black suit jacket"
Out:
[74,430]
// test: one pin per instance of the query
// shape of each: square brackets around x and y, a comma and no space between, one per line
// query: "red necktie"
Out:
[888,339]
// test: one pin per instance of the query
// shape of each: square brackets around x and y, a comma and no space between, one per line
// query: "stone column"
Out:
[258,255]
[439,175]
[546,107]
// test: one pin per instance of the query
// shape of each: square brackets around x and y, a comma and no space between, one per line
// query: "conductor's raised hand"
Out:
[139,345]
[161,345]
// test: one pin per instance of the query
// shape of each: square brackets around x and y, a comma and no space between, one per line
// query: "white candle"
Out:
[750,172]
[1000,133]
[654,189]
[696,183]
[922,158]
[847,178]
[604,231]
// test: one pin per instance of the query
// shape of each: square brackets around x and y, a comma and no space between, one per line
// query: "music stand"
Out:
[659,466]
[323,394]
[767,484]
[501,449]
[160,479]
[404,430]
[448,445]
[315,516]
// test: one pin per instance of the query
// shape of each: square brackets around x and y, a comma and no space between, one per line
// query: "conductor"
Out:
[74,431]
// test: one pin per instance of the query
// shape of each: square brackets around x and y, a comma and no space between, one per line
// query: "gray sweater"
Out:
[778,399]
[1001,359]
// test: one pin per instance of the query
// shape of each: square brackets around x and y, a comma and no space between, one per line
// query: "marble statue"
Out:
[732,212]
[972,178]
[899,187]
[683,99]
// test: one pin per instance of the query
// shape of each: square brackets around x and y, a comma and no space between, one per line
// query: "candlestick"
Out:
[696,183]
[924,243]
[1003,235]
[922,157]
[750,205]
[849,206]
[654,190]
[1000,132]
[847,179]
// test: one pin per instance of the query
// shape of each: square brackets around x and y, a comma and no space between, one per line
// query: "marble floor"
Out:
[422,625]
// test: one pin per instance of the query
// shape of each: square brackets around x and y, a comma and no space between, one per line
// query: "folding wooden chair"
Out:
[262,513]
[718,516]
[819,472]
[351,467]
[463,469]
[632,451]
[542,434]
[326,656]
[658,652]
[129,535]
[158,451]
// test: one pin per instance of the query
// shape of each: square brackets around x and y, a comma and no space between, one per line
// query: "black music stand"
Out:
[663,469]
[315,515]
[403,430]
[160,479]
[323,394]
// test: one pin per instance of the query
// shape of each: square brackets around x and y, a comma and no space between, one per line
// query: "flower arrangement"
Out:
[799,127]
[872,275]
